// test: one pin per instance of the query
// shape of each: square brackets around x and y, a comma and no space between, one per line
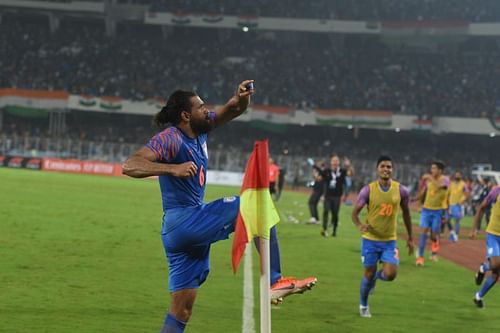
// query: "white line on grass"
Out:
[248,320]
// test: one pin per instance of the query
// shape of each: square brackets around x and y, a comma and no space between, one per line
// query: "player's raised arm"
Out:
[143,164]
[236,105]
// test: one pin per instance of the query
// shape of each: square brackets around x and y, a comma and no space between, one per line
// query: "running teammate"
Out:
[383,198]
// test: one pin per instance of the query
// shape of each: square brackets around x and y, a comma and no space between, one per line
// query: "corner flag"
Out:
[257,213]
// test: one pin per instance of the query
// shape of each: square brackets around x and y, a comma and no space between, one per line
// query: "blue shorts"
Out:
[187,234]
[430,218]
[374,251]
[457,211]
[492,245]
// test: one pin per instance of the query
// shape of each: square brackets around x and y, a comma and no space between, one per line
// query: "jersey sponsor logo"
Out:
[229,199]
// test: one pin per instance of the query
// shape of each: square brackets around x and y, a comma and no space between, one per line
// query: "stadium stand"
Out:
[290,69]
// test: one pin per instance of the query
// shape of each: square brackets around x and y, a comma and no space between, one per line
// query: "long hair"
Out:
[179,101]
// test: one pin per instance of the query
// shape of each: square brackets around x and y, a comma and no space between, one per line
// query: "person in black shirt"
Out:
[318,188]
[334,178]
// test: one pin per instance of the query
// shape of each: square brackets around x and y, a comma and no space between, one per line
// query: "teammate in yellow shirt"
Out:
[383,198]
[492,244]
[458,194]
[436,197]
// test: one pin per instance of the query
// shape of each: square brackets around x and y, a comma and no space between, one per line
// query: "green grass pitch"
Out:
[83,254]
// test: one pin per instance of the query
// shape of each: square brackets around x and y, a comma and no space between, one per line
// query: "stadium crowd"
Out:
[412,147]
[390,10]
[465,10]
[297,70]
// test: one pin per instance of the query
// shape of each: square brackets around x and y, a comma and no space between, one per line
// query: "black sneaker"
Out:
[479,303]
[479,278]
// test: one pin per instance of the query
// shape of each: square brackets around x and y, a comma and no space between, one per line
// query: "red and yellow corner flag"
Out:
[257,213]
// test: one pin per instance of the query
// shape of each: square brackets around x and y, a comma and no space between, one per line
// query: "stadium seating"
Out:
[297,70]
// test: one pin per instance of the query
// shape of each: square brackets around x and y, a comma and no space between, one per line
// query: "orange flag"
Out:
[257,213]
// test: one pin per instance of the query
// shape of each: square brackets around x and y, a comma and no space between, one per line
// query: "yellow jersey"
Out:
[493,198]
[457,192]
[383,209]
[437,197]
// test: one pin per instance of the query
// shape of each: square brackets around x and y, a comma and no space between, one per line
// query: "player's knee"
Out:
[390,276]
[369,274]
[495,269]
[183,313]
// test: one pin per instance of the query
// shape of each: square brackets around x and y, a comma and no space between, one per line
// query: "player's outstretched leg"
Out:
[488,284]
[366,286]
[421,247]
[180,311]
[483,268]
[283,286]
[434,247]
[494,265]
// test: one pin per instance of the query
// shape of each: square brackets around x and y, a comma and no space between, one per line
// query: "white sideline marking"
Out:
[248,320]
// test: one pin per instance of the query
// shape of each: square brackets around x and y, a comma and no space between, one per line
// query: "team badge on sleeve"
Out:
[229,199]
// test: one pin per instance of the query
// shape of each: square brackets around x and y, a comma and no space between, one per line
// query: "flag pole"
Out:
[265,278]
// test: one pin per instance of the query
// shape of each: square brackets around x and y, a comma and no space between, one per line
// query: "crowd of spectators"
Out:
[370,10]
[295,70]
[391,10]
[411,147]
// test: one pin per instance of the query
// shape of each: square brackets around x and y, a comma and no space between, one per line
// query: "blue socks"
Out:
[490,282]
[173,325]
[421,244]
[274,248]
[457,227]
[485,266]
[364,290]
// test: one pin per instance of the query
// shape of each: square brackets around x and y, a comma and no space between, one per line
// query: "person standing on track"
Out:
[318,188]
[334,187]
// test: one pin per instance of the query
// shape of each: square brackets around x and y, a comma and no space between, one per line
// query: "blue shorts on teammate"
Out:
[492,245]
[187,234]
[374,251]
[457,212]
[430,218]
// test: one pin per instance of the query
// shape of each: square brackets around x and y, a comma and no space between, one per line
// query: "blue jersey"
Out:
[174,147]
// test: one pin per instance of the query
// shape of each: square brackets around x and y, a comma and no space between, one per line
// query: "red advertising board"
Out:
[78,166]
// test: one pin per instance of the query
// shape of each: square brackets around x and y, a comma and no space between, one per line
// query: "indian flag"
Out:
[181,18]
[86,100]
[274,119]
[359,118]
[111,103]
[213,17]
[257,213]
[248,21]
[34,99]
[422,124]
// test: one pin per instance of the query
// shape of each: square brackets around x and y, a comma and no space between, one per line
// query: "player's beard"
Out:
[201,126]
